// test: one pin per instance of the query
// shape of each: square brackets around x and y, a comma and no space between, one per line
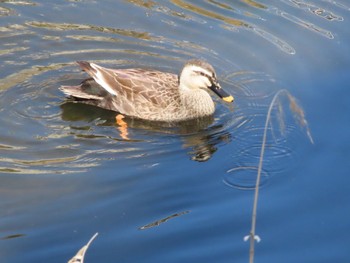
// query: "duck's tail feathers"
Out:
[103,76]
[86,66]
[79,92]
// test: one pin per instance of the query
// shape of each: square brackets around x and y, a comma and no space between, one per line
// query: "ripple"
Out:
[281,44]
[283,132]
[244,177]
[315,10]
[221,5]
[277,158]
[4,11]
[40,162]
[7,170]
[10,147]
[20,3]
[336,3]
[26,74]
[253,100]
[306,24]
[83,27]
[250,84]
[158,7]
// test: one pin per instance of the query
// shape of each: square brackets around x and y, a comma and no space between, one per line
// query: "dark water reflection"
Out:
[197,135]
[68,170]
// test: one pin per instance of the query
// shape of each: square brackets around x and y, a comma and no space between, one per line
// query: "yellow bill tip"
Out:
[228,99]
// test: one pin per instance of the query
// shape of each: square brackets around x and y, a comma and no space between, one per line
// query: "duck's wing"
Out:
[135,88]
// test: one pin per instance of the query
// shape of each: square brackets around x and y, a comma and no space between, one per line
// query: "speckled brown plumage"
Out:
[145,94]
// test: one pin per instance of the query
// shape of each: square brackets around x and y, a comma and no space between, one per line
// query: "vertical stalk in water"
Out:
[298,115]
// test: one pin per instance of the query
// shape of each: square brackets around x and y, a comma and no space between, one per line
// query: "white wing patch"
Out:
[100,79]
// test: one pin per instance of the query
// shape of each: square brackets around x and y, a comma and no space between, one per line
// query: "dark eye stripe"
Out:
[212,79]
[202,74]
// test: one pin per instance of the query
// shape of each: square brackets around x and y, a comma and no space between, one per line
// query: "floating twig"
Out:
[163,220]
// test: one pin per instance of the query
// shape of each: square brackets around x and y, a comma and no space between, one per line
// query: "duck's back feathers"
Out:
[134,92]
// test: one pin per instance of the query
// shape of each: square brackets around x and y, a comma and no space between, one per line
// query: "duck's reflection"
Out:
[200,137]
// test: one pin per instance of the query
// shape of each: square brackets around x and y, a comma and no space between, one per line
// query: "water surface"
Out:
[174,193]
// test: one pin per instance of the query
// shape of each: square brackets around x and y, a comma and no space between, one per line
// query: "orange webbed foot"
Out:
[123,126]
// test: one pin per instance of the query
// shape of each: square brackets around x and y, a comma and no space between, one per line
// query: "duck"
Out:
[151,94]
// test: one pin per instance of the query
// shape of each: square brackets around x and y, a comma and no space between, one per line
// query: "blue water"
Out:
[183,193]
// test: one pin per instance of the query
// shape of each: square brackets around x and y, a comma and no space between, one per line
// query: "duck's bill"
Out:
[221,93]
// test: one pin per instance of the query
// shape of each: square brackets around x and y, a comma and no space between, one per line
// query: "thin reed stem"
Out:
[256,194]
[299,117]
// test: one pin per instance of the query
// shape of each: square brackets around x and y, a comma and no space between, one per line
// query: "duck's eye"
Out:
[203,74]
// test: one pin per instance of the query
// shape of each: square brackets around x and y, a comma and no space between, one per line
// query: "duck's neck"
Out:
[197,101]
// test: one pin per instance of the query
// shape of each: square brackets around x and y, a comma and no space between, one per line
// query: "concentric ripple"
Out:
[244,177]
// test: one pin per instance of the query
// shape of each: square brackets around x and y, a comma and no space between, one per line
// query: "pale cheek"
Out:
[200,82]
[207,82]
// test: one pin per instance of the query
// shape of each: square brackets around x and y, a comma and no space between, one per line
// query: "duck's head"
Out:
[199,74]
